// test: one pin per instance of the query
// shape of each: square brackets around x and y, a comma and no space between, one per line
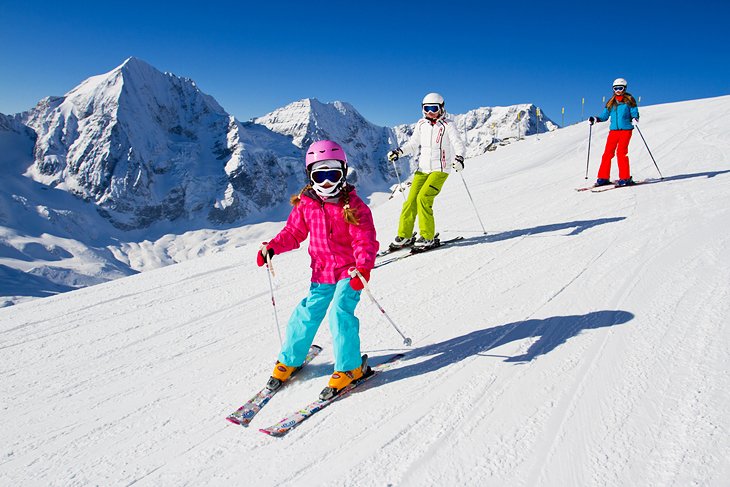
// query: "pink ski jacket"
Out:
[334,244]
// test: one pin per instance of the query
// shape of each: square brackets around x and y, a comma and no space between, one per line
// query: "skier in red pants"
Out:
[622,110]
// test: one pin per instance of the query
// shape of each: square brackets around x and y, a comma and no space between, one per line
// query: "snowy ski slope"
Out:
[581,342]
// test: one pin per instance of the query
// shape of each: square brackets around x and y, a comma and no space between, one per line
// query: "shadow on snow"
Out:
[552,333]
[708,175]
[578,227]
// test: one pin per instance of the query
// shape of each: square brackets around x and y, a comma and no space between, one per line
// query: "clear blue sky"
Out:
[382,57]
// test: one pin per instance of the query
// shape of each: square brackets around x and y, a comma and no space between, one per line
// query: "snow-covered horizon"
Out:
[580,342]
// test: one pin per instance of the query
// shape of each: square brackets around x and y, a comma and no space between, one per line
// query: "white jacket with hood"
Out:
[439,142]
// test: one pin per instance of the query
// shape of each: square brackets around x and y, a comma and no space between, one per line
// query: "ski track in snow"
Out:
[581,344]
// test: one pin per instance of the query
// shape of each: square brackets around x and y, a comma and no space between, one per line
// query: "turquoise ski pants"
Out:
[344,325]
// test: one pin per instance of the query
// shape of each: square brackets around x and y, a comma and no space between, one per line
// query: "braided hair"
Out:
[347,212]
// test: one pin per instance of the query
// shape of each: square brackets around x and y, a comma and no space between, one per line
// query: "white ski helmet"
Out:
[620,82]
[432,99]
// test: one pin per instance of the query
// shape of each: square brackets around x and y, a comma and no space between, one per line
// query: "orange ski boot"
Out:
[280,374]
[340,380]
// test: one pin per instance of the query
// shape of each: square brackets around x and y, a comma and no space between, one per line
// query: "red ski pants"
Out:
[617,143]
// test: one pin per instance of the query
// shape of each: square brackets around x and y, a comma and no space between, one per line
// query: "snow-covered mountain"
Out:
[365,144]
[582,342]
[50,240]
[94,181]
[485,128]
[146,146]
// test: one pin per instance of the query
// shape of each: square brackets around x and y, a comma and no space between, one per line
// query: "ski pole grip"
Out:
[356,273]
[265,250]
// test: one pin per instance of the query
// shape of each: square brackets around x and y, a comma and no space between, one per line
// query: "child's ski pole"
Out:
[270,272]
[354,272]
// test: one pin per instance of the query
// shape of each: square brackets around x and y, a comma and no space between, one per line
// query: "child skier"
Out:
[622,109]
[342,238]
[441,149]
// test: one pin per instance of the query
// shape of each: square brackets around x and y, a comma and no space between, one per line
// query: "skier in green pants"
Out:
[441,149]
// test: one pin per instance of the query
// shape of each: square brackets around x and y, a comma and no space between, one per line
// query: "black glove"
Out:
[592,120]
[458,163]
[394,155]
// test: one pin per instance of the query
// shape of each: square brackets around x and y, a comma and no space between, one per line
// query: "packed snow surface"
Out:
[582,341]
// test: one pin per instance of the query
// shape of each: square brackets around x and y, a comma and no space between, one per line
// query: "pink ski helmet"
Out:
[324,150]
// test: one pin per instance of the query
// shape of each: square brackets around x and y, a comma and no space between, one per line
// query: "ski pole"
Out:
[466,138]
[354,272]
[472,202]
[590,133]
[270,272]
[400,185]
[636,124]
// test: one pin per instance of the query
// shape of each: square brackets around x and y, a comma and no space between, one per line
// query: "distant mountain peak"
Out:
[147,146]
[133,66]
[132,60]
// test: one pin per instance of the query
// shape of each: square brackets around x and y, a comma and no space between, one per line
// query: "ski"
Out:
[391,250]
[601,189]
[293,420]
[605,187]
[246,413]
[442,243]
[589,188]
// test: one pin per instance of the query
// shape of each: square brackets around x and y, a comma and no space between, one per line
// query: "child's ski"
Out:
[295,419]
[245,413]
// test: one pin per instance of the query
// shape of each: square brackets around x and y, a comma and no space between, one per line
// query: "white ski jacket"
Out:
[439,143]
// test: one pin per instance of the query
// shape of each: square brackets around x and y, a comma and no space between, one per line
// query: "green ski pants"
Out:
[423,191]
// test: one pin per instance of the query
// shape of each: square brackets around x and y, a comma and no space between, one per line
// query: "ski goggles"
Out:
[619,88]
[319,176]
[431,108]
